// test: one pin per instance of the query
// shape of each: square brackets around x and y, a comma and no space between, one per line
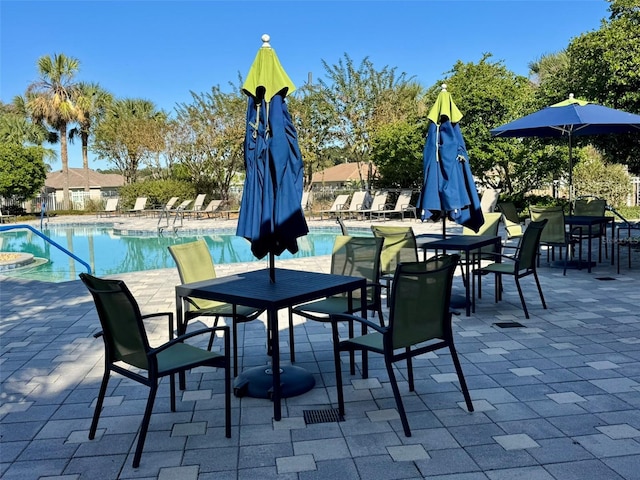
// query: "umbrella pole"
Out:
[570,176]
[272,268]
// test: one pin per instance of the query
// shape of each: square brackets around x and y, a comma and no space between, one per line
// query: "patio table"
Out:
[254,289]
[590,222]
[470,244]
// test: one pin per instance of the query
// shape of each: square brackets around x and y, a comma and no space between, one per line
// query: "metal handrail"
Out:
[46,239]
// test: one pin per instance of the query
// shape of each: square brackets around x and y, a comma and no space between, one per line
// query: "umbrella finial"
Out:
[571,96]
[444,87]
[265,40]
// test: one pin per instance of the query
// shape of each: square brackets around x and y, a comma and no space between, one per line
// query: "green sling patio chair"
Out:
[590,206]
[128,353]
[352,256]
[489,227]
[419,322]
[399,246]
[513,222]
[195,264]
[554,234]
[523,263]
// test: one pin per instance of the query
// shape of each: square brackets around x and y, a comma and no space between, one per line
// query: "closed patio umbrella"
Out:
[570,118]
[271,217]
[448,188]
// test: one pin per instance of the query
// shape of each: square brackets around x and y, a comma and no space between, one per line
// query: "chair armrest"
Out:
[345,317]
[223,328]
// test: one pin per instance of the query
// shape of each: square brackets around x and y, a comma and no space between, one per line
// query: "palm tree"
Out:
[91,102]
[50,100]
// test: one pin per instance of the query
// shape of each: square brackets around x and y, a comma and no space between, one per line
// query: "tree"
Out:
[130,135]
[91,102]
[360,97]
[50,100]
[207,139]
[22,171]
[592,176]
[604,69]
[550,75]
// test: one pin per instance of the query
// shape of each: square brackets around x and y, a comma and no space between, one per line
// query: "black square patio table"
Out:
[590,221]
[254,289]
[470,244]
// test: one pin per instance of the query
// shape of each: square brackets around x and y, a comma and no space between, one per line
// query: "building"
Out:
[343,175]
[100,185]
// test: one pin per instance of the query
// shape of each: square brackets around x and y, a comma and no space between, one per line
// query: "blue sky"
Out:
[162,50]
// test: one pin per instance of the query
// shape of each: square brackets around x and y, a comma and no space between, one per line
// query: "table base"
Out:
[257,382]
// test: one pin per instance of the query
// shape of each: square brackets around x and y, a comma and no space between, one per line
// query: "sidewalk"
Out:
[558,398]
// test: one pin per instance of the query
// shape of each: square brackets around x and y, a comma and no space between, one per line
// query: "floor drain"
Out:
[509,325]
[605,278]
[322,416]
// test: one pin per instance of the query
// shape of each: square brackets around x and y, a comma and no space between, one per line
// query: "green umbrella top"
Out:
[570,101]
[444,106]
[266,72]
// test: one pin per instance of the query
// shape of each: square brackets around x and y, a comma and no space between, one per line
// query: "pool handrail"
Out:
[47,239]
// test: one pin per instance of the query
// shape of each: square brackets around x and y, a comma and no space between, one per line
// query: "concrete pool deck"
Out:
[558,398]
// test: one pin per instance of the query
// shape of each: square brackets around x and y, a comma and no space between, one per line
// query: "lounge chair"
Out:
[357,205]
[138,207]
[166,210]
[197,206]
[212,210]
[337,207]
[128,353]
[377,205]
[6,218]
[305,202]
[402,206]
[110,208]
[419,322]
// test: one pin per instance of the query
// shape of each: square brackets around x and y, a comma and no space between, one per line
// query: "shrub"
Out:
[158,192]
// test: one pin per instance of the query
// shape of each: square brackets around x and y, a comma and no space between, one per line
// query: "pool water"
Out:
[110,253]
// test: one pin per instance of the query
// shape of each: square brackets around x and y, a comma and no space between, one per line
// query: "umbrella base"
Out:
[257,382]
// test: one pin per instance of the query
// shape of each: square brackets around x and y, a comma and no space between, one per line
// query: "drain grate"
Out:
[322,416]
[509,325]
[605,278]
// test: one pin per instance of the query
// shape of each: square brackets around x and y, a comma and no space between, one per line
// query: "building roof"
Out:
[77,179]
[344,172]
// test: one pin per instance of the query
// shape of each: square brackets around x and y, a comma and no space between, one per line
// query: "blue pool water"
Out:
[109,251]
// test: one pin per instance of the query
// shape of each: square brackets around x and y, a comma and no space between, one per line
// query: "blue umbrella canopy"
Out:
[448,188]
[570,118]
[271,216]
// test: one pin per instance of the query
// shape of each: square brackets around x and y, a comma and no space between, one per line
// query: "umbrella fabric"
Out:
[271,216]
[448,186]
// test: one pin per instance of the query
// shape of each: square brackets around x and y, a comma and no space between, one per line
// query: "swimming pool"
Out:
[111,251]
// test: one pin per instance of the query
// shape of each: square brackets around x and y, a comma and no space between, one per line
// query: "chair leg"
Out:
[410,370]
[101,393]
[227,389]
[144,426]
[235,347]
[172,387]
[524,305]
[535,276]
[463,383]
[398,398]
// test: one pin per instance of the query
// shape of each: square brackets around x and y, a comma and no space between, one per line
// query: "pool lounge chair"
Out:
[402,206]
[378,204]
[139,206]
[197,206]
[5,218]
[110,208]
[212,210]
[357,205]
[336,208]
[165,210]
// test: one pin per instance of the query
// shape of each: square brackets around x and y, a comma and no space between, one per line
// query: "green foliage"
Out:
[158,192]
[592,176]
[22,171]
[397,153]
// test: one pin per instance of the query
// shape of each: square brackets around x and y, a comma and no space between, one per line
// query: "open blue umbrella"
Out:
[571,118]
[448,189]
[271,216]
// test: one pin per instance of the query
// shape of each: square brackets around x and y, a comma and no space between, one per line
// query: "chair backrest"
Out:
[511,219]
[358,201]
[489,200]
[199,202]
[378,202]
[358,257]
[193,260]
[212,206]
[554,232]
[590,207]
[403,201]
[172,201]
[184,204]
[141,203]
[305,201]
[399,246]
[343,228]
[529,244]
[420,300]
[122,327]
[111,205]
[489,227]
[339,203]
